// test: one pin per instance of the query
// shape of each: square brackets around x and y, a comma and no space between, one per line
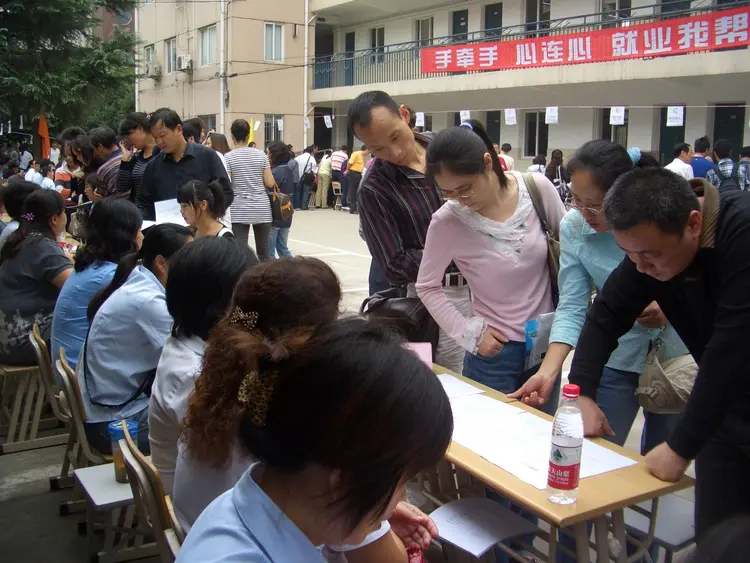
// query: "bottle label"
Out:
[564,466]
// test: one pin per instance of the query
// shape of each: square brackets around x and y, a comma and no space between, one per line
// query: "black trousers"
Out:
[354,179]
[722,487]
[262,233]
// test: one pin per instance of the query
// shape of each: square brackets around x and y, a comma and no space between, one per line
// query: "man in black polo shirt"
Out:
[178,162]
[695,264]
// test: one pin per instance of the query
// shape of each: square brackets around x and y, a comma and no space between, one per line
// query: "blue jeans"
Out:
[345,190]
[377,281]
[505,372]
[301,196]
[279,240]
[616,397]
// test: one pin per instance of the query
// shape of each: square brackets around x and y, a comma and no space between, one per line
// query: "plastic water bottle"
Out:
[567,445]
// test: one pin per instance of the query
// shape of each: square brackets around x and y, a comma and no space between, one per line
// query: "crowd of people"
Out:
[257,401]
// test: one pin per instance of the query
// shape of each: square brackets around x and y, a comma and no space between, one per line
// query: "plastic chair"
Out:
[150,501]
[338,194]
[53,390]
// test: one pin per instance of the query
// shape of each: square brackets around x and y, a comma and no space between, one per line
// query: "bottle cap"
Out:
[571,391]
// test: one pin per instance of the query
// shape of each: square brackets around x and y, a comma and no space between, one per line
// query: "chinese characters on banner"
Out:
[706,32]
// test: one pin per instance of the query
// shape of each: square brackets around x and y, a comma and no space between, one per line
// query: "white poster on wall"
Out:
[280,123]
[617,115]
[256,126]
[465,115]
[550,116]
[307,123]
[329,122]
[675,116]
[510,116]
[420,119]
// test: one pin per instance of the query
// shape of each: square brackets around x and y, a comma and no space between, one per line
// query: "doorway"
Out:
[460,26]
[349,42]
[493,20]
[669,137]
[729,124]
[493,126]
[322,136]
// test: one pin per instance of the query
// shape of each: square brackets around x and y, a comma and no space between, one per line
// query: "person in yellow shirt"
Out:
[354,175]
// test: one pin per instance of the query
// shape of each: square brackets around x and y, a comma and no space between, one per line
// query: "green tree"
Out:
[50,59]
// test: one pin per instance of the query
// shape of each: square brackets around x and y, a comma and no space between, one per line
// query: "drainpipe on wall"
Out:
[222,70]
[137,69]
[306,71]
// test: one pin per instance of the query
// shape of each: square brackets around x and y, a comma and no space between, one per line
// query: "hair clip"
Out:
[28,217]
[635,155]
[248,320]
[467,124]
[255,393]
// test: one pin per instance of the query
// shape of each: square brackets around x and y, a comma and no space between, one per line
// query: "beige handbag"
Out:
[664,387]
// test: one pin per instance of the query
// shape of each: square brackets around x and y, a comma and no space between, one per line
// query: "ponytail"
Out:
[160,240]
[214,194]
[461,151]
[607,161]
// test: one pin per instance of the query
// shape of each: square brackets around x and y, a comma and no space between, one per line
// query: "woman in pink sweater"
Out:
[489,228]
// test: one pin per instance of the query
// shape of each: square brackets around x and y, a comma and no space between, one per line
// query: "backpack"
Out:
[731,182]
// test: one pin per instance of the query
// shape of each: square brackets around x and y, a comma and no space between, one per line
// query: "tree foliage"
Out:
[51,59]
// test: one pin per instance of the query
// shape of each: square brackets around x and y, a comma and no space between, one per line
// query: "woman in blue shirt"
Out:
[589,253]
[113,230]
[130,324]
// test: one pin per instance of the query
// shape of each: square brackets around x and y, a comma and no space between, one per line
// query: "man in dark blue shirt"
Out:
[701,163]
[178,162]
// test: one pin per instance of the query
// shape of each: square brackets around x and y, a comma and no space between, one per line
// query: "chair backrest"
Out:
[51,386]
[75,407]
[149,492]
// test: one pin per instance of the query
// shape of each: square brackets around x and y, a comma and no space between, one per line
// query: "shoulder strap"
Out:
[710,216]
[536,200]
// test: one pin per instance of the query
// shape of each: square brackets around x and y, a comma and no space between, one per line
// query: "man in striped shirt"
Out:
[396,202]
[105,145]
[337,159]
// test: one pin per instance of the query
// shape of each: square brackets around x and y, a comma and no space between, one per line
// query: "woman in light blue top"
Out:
[113,231]
[130,324]
[340,420]
[589,253]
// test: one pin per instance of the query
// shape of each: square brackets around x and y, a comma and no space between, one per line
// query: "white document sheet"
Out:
[455,388]
[518,441]
[477,524]
[168,211]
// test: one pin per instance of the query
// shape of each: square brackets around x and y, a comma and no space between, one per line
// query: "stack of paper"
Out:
[456,388]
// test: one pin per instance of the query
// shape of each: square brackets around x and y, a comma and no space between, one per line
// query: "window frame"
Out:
[170,55]
[149,54]
[422,41]
[539,127]
[378,49]
[203,50]
[209,120]
[271,130]
[276,27]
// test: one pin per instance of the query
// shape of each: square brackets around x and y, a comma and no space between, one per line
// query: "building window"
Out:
[493,20]
[274,42]
[208,45]
[538,13]
[377,43]
[423,31]
[209,121]
[149,54]
[170,55]
[671,6]
[271,128]
[537,135]
[614,10]
[614,133]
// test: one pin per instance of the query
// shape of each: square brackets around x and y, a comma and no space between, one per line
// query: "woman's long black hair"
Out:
[461,150]
[111,232]
[40,206]
[160,240]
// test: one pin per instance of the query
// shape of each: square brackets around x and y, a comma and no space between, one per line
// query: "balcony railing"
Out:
[401,61]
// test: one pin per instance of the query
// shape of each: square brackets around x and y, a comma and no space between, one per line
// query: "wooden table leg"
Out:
[601,533]
[552,553]
[618,525]
[582,543]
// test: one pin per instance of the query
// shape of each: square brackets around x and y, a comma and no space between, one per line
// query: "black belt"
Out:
[454,279]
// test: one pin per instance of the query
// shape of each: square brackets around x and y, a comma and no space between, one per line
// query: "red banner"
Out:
[707,32]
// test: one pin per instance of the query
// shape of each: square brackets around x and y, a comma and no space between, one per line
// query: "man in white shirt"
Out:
[505,155]
[54,152]
[306,165]
[33,174]
[683,156]
[48,177]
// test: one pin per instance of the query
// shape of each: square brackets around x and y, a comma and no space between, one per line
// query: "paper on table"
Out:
[477,524]
[456,388]
[168,211]
[146,224]
[423,350]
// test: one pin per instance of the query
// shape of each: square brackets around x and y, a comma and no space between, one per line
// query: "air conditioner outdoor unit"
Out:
[184,62]
[153,69]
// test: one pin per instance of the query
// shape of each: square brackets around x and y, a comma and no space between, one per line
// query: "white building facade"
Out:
[583,57]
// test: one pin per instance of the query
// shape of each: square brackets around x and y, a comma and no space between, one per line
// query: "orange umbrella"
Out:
[43,132]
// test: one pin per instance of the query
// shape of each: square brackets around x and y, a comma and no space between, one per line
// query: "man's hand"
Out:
[537,390]
[652,317]
[594,421]
[413,526]
[127,151]
[492,342]
[665,464]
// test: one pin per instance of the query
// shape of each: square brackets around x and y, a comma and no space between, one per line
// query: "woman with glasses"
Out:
[490,230]
[589,253]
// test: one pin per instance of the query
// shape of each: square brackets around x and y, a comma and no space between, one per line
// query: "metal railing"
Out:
[401,61]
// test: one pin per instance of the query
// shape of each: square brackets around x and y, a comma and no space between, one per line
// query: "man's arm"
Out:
[145,198]
[723,376]
[380,227]
[623,298]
